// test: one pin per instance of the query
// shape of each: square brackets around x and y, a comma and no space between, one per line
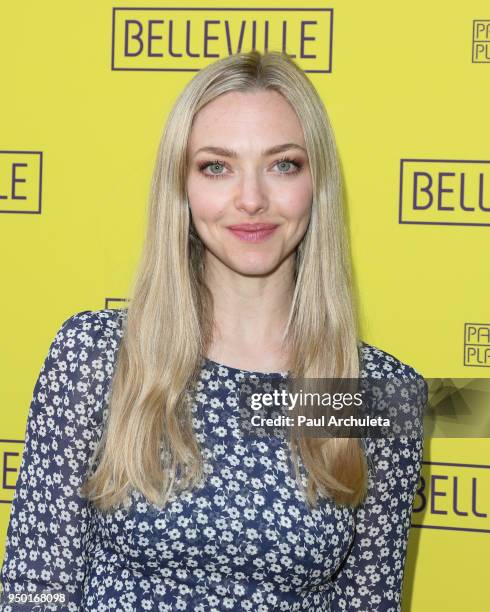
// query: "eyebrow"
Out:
[230,153]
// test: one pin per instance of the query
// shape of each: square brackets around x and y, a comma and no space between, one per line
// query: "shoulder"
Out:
[398,391]
[394,388]
[80,363]
[388,378]
[86,345]
[377,363]
[92,329]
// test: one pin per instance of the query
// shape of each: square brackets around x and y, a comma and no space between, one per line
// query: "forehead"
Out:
[246,119]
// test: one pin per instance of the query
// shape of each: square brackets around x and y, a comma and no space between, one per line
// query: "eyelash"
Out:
[204,165]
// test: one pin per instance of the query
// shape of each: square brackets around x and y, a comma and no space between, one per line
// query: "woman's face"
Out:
[248,167]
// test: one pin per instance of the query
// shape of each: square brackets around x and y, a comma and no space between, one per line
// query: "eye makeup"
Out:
[297,164]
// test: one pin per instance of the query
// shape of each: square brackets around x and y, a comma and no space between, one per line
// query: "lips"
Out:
[253,232]
[253,227]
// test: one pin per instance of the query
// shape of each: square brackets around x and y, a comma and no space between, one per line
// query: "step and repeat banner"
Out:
[86,88]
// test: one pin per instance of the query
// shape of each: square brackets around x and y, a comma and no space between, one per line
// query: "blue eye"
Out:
[212,164]
[217,165]
[284,161]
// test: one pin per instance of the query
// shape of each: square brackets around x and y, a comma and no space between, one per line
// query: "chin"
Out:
[253,266]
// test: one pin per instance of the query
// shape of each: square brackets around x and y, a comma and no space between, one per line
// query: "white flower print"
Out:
[244,539]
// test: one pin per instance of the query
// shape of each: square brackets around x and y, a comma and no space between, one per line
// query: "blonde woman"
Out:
[137,489]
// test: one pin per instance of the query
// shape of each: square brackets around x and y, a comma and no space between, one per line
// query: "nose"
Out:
[251,196]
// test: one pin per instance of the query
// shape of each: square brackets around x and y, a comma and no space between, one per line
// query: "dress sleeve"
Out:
[371,576]
[49,527]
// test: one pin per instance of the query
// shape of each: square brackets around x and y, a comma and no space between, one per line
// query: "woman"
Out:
[245,271]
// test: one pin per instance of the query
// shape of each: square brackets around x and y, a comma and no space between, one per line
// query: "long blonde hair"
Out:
[169,319]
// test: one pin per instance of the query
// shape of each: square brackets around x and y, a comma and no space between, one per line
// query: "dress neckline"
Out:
[215,364]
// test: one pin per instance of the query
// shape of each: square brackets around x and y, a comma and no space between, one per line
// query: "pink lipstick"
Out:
[253,232]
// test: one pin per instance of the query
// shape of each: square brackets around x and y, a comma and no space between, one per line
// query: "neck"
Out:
[250,312]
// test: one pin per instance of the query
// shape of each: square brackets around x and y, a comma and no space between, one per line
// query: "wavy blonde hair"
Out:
[170,314]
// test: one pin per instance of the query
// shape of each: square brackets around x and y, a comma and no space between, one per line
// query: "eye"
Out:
[213,165]
[284,163]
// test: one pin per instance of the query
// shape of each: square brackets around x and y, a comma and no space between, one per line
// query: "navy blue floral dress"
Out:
[243,540]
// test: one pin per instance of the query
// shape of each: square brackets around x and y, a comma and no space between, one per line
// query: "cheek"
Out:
[205,204]
[296,202]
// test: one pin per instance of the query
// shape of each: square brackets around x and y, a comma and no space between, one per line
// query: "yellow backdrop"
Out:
[86,88]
